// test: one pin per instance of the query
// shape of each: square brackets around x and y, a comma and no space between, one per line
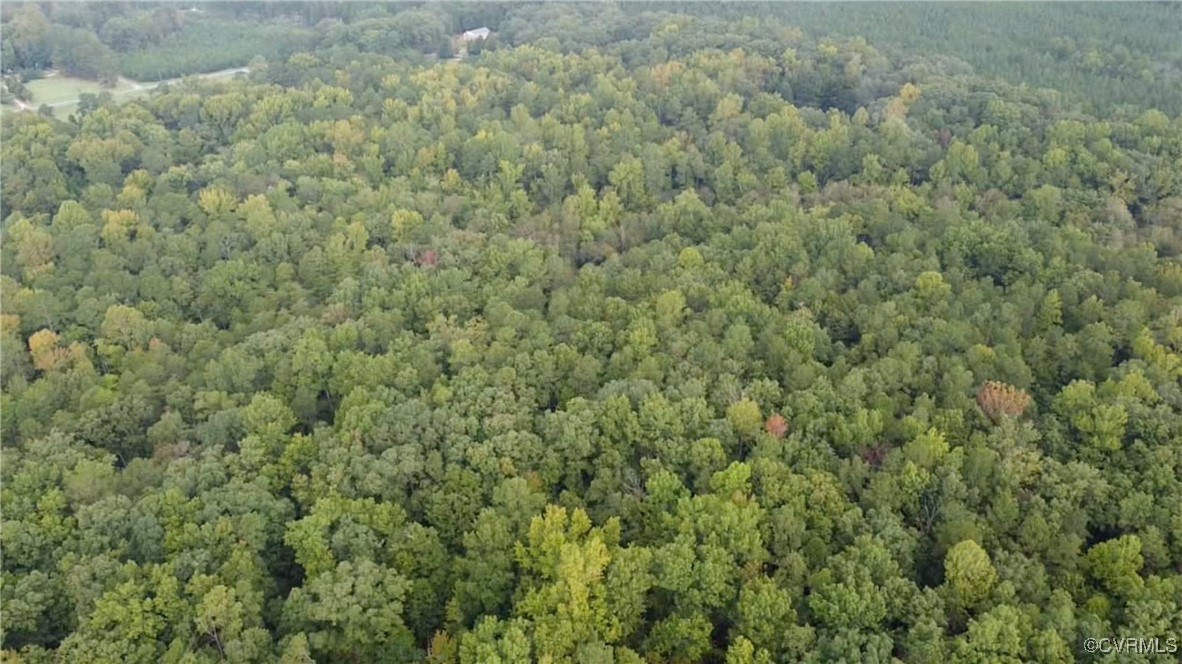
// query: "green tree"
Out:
[969,572]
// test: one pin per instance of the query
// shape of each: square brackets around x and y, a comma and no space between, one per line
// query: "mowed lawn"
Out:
[59,89]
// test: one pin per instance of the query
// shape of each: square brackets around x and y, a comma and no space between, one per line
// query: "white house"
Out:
[473,35]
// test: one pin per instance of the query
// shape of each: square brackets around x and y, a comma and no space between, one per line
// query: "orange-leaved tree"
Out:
[997,399]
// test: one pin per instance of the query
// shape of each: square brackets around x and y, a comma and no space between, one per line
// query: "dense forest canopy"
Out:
[634,333]
[1101,54]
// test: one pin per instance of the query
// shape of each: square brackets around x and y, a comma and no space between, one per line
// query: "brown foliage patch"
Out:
[776,425]
[997,399]
[428,258]
[874,456]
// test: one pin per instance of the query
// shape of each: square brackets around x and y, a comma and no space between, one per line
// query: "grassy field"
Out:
[122,93]
[57,90]
[60,88]
[62,92]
